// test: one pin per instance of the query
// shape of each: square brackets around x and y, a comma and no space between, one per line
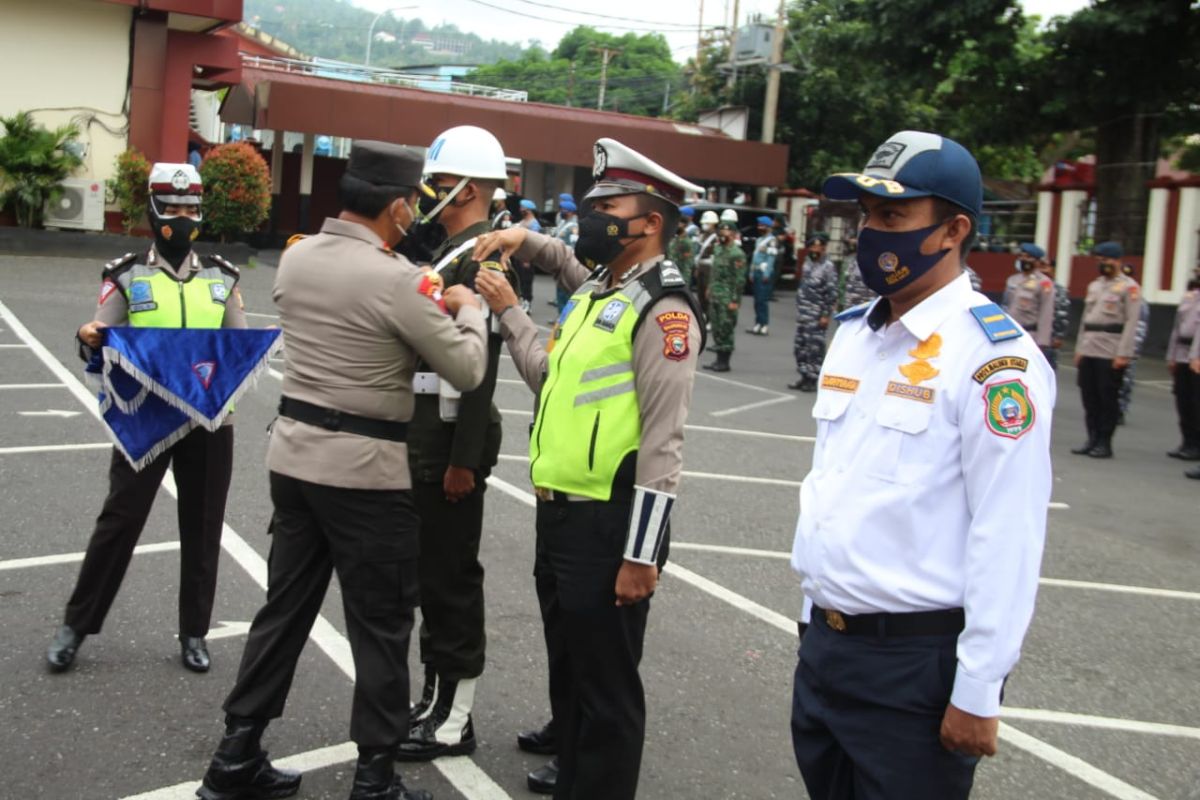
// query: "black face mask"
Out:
[421,241]
[600,238]
[173,236]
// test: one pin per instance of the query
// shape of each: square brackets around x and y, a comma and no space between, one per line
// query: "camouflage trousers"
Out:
[1125,395]
[724,323]
[808,347]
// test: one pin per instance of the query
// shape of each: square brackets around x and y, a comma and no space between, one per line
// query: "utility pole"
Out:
[605,54]
[571,85]
[666,98]
[771,103]
[700,36]
[733,29]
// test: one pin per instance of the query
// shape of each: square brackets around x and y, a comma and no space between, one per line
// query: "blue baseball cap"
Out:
[1108,250]
[915,164]
[1030,249]
[687,211]
[566,198]
[567,205]
[528,205]
[765,220]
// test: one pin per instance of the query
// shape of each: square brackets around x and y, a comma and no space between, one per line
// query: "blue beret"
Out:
[1030,249]
[567,205]
[687,211]
[1108,250]
[765,220]
[565,198]
[528,205]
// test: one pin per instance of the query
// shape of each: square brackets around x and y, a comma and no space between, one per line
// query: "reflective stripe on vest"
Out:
[157,300]
[588,419]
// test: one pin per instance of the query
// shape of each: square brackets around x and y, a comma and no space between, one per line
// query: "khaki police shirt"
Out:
[355,317]
[112,307]
[1187,326]
[663,385]
[1029,299]
[1110,301]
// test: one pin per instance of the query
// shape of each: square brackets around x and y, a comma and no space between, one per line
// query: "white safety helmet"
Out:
[499,194]
[709,218]
[466,151]
[729,215]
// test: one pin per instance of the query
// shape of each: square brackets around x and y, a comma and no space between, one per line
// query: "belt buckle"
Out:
[835,621]
[332,420]
[545,495]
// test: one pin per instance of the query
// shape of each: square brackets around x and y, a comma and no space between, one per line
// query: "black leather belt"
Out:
[1187,340]
[1111,327]
[917,623]
[333,420]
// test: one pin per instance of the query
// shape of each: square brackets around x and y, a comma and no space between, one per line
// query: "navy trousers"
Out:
[866,715]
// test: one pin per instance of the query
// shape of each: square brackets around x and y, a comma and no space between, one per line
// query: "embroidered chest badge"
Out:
[1008,411]
[611,314]
[921,370]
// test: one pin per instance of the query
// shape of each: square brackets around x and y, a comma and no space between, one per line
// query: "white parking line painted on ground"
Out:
[304,762]
[68,558]
[54,448]
[227,630]
[1108,723]
[729,550]
[13,346]
[712,476]
[511,381]
[463,773]
[31,386]
[1077,767]
[258,314]
[750,386]
[750,406]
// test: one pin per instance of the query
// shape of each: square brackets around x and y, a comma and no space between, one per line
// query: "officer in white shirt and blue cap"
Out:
[923,518]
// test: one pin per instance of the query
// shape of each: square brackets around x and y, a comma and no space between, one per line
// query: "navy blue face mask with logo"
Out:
[891,260]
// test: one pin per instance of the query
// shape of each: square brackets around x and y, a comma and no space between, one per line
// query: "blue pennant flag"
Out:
[157,384]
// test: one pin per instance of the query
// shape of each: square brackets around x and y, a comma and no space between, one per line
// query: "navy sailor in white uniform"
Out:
[923,518]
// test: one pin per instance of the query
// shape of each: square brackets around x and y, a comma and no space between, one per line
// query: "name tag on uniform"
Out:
[922,394]
[837,383]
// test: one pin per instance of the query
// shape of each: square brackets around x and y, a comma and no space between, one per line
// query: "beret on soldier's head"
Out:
[819,236]
[385,164]
[1108,250]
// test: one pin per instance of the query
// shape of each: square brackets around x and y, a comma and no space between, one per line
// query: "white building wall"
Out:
[68,61]
[1152,251]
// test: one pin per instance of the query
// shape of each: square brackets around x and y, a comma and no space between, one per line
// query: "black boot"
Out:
[1087,446]
[1102,448]
[240,769]
[543,779]
[721,364]
[448,730]
[541,741]
[420,709]
[375,778]
[61,653]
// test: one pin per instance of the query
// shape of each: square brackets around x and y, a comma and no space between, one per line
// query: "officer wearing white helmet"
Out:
[453,444]
[168,286]
[501,216]
[708,243]
[614,385]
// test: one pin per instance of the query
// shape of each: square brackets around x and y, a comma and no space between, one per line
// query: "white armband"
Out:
[647,524]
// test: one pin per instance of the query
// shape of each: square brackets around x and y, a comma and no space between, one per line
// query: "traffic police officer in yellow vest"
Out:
[614,385]
[169,286]
[453,443]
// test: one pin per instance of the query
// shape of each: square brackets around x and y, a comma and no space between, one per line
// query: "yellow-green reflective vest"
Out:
[158,300]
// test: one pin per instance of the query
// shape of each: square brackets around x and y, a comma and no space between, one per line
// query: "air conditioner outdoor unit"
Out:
[80,205]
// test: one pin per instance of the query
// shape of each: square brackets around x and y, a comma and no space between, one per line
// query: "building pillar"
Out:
[1187,239]
[1045,216]
[147,79]
[1154,251]
[1071,203]
[306,181]
[276,180]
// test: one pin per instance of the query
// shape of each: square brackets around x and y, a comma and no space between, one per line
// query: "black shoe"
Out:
[61,653]
[195,653]
[375,779]
[542,742]
[240,769]
[1186,453]
[423,744]
[804,385]
[420,709]
[1194,474]
[1085,448]
[1102,450]
[543,779]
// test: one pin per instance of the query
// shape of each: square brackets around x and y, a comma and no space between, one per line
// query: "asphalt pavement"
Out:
[1104,703]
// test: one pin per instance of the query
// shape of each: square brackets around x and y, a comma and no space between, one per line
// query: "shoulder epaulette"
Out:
[119,265]
[670,274]
[854,312]
[224,265]
[997,326]
[295,237]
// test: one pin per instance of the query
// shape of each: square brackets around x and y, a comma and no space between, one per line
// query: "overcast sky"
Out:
[547,20]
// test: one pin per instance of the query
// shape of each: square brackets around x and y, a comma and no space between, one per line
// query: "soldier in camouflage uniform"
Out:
[973,277]
[854,291]
[816,299]
[725,293]
[1143,325]
[682,251]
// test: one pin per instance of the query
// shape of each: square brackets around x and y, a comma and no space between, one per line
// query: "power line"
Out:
[689,29]
[683,25]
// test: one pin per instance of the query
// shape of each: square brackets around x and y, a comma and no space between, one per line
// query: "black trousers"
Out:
[452,615]
[866,717]
[1100,387]
[370,538]
[593,648]
[1186,386]
[1051,357]
[525,279]
[203,465]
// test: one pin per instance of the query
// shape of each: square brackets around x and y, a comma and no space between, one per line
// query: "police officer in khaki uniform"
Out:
[356,318]
[1183,350]
[453,443]
[167,287]
[1029,299]
[1105,347]
[614,385]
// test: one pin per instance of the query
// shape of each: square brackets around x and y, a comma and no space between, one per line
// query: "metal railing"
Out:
[344,71]
[1006,223]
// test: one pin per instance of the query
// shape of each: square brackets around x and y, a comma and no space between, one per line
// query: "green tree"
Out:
[33,162]
[237,190]
[131,187]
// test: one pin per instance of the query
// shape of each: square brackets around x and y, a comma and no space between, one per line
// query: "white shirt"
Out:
[931,478]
